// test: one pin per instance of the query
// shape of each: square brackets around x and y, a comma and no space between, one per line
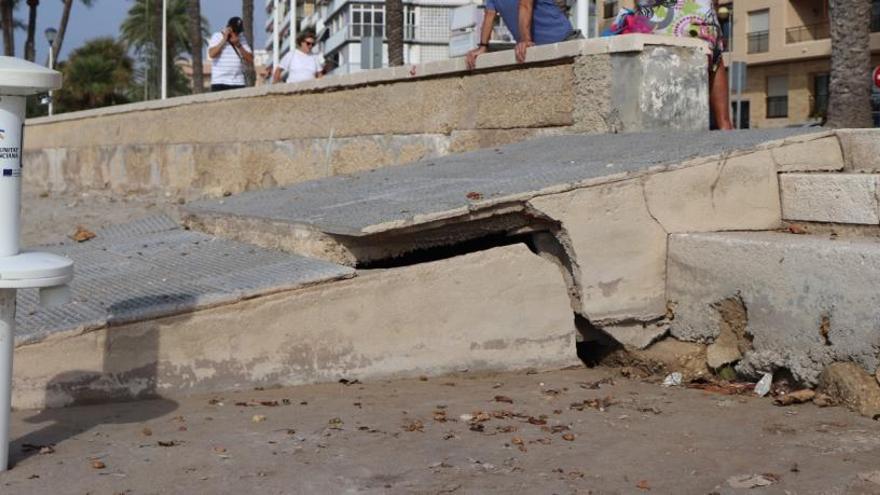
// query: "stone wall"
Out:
[260,137]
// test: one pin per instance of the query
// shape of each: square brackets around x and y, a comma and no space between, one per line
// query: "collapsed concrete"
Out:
[458,264]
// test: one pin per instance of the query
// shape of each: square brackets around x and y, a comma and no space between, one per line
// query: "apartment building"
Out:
[354,31]
[304,10]
[787,48]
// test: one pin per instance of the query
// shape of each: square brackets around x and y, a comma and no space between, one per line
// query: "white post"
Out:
[164,49]
[7,336]
[276,21]
[582,17]
[18,78]
[12,110]
[51,66]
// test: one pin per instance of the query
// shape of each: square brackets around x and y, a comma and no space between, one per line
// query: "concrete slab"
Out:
[861,149]
[499,309]
[152,268]
[833,198]
[396,197]
[809,301]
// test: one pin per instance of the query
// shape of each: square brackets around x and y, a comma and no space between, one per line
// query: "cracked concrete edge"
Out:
[205,305]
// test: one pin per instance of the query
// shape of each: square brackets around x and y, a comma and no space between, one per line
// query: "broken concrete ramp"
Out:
[330,218]
[173,312]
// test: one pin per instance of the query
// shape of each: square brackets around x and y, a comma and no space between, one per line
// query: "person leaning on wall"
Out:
[230,56]
[531,22]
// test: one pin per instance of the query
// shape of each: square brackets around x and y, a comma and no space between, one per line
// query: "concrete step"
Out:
[845,198]
[796,302]
[861,149]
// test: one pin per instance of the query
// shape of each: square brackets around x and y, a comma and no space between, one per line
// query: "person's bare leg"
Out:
[719,97]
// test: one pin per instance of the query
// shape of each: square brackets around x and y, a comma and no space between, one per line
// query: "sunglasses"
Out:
[309,43]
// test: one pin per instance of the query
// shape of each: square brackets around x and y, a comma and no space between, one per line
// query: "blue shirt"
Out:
[549,24]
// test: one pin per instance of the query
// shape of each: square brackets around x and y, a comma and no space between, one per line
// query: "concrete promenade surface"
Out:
[565,432]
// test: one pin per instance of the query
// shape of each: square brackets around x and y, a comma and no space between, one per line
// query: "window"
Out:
[610,9]
[367,20]
[433,25]
[409,22]
[743,110]
[777,97]
[759,31]
[875,16]
[820,95]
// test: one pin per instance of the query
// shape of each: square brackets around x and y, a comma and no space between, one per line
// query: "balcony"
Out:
[759,42]
[423,34]
[336,40]
[812,32]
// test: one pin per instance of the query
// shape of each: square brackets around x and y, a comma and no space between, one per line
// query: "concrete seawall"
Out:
[261,137]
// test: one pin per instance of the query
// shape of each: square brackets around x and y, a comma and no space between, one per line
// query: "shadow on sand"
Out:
[129,373]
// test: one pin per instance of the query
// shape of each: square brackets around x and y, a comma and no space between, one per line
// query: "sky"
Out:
[105,17]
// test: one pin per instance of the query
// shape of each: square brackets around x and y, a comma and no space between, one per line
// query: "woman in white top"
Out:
[300,64]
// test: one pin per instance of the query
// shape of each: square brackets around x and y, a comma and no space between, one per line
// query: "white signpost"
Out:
[20,269]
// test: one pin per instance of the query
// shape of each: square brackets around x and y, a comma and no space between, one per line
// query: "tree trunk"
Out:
[850,99]
[155,13]
[247,15]
[30,50]
[62,28]
[394,31]
[194,10]
[8,25]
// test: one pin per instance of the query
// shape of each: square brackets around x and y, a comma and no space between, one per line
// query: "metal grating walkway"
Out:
[152,268]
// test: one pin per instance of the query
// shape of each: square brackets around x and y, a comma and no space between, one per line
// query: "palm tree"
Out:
[62,27]
[247,16]
[7,22]
[97,74]
[850,100]
[29,44]
[142,31]
[194,12]
[394,31]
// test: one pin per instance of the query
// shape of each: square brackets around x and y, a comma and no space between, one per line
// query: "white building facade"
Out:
[304,9]
[345,24]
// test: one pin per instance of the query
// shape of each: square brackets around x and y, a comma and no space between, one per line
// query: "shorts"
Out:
[687,19]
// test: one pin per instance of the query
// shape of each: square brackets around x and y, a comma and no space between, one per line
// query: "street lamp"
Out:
[164,49]
[51,34]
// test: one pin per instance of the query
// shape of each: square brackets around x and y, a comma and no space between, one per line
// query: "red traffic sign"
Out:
[877,76]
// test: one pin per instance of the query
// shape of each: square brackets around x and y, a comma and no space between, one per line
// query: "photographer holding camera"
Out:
[230,55]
